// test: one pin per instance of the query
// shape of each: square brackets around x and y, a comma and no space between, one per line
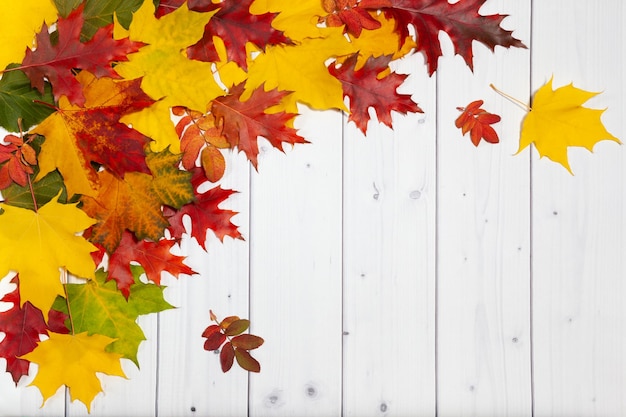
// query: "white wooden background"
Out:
[409,273]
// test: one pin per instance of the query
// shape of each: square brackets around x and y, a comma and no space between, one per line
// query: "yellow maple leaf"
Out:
[73,360]
[381,41]
[37,243]
[19,22]
[302,69]
[168,75]
[557,121]
[297,19]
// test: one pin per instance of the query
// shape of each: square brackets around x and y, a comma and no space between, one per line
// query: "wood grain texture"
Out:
[295,273]
[389,259]
[579,222]
[483,224]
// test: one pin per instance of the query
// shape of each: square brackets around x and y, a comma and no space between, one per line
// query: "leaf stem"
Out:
[67,299]
[511,98]
[30,182]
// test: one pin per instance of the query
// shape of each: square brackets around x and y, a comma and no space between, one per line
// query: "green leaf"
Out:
[45,190]
[237,327]
[171,184]
[99,13]
[98,307]
[17,101]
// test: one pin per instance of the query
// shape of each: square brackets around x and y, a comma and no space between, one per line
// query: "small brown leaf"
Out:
[210,330]
[226,357]
[246,361]
[247,341]
[227,321]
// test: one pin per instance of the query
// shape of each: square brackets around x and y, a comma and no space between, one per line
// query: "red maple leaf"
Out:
[204,213]
[154,257]
[236,26]
[22,327]
[461,21]
[476,121]
[243,122]
[56,62]
[366,90]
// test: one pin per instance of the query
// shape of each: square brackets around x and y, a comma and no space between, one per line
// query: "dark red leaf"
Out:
[213,328]
[365,90]
[57,62]
[227,356]
[214,341]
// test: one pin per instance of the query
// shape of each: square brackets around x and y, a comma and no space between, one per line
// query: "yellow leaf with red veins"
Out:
[558,121]
[37,244]
[73,360]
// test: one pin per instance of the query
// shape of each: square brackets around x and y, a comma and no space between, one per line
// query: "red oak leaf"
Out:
[366,90]
[476,121]
[244,121]
[22,327]
[461,21]
[56,62]
[154,257]
[350,14]
[204,213]
[234,24]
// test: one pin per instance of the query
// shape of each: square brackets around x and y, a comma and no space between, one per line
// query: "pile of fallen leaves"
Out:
[119,114]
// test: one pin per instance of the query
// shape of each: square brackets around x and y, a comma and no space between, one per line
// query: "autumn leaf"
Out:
[56,62]
[19,101]
[350,14]
[99,308]
[365,90]
[477,121]
[135,202]
[236,26]
[73,360]
[154,257]
[16,159]
[168,75]
[44,190]
[99,13]
[558,120]
[460,21]
[298,20]
[78,136]
[301,69]
[19,23]
[205,214]
[243,122]
[227,334]
[36,244]
[22,327]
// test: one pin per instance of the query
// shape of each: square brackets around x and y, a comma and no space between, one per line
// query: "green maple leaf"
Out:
[98,307]
[99,13]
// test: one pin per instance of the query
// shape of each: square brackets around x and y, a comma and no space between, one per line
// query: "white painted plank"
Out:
[295,266]
[483,217]
[389,259]
[579,222]
[191,382]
